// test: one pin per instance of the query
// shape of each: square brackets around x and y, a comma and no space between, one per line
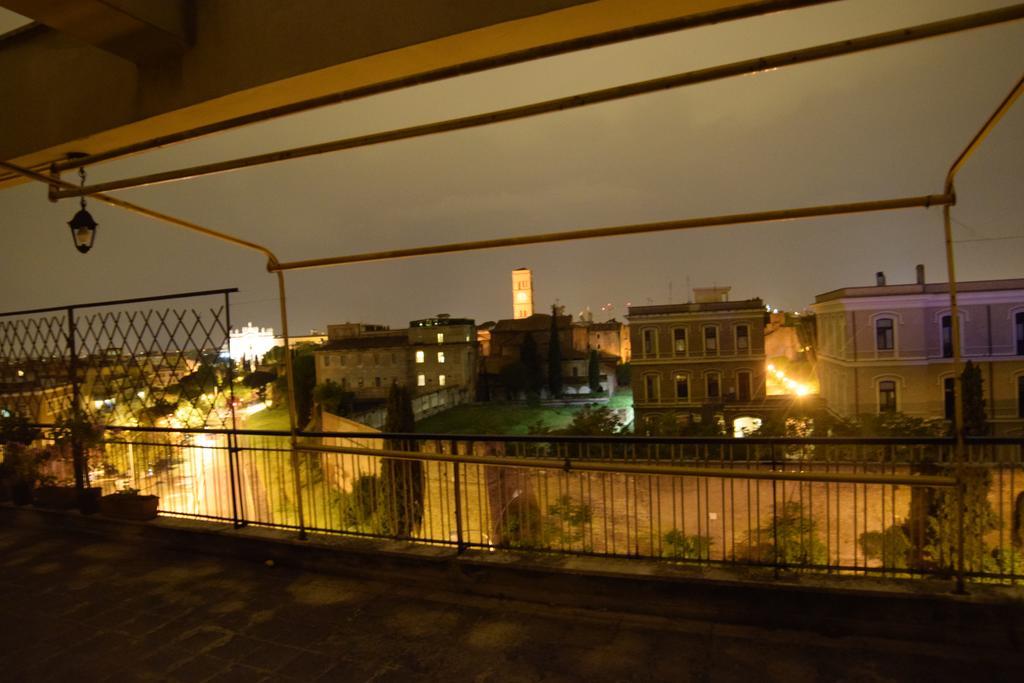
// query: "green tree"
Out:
[258,381]
[305,380]
[332,398]
[401,480]
[975,421]
[681,546]
[594,420]
[515,377]
[593,372]
[623,373]
[530,357]
[554,356]
[791,538]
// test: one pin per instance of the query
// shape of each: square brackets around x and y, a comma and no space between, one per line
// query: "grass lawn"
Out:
[275,418]
[507,418]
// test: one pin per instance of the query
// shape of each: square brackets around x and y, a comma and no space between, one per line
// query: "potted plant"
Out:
[20,469]
[129,504]
[76,434]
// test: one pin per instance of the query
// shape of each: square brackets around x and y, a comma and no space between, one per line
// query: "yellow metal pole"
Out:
[748,66]
[746,10]
[620,230]
[293,416]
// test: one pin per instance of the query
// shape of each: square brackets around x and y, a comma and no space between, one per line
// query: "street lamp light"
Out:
[83,227]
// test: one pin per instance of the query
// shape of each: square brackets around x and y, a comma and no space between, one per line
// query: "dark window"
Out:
[949,397]
[742,338]
[887,396]
[649,341]
[376,381]
[714,386]
[1019,329]
[711,339]
[682,387]
[743,385]
[947,336]
[679,340]
[1020,396]
[884,340]
[651,387]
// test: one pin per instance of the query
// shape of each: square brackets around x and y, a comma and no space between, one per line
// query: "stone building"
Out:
[698,359]
[890,348]
[430,354]
[522,293]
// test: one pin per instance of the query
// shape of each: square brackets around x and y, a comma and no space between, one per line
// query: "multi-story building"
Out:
[694,358]
[430,354]
[890,348]
[609,338]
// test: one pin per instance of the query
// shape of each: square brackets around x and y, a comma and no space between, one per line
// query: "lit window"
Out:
[440,356]
[682,387]
[419,357]
[887,396]
[742,338]
[711,339]
[884,340]
[440,337]
[421,380]
[679,340]
[441,380]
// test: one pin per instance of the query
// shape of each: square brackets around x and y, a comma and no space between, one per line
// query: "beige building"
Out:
[889,348]
[692,358]
[610,338]
[522,293]
[430,354]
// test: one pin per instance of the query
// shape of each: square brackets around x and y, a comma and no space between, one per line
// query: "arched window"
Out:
[682,386]
[887,396]
[885,339]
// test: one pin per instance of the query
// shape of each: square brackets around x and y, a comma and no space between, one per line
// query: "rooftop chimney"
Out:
[920,274]
[880,279]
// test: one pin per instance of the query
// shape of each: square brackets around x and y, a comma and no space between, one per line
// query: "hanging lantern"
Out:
[83,227]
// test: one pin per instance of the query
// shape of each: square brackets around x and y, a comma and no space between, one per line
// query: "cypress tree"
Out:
[401,481]
[593,372]
[554,357]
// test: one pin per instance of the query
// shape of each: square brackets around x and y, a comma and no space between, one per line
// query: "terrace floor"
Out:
[84,608]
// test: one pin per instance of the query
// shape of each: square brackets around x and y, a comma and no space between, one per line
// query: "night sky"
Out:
[877,125]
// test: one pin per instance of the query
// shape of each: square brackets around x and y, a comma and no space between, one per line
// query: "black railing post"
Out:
[233,436]
[460,543]
[76,414]
[775,517]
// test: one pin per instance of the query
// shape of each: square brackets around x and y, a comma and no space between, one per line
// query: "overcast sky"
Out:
[877,125]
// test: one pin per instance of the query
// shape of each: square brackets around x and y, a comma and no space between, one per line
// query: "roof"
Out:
[537,322]
[708,307]
[929,288]
[374,342]
[441,321]
[612,324]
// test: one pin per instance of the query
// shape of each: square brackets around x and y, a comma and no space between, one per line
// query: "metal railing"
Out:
[862,506]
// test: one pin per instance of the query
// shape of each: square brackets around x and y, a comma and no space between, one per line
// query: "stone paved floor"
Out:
[88,609]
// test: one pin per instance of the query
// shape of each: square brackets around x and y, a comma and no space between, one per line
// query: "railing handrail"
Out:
[567,465]
[119,302]
[604,439]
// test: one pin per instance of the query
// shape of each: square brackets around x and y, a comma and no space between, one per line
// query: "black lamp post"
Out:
[83,227]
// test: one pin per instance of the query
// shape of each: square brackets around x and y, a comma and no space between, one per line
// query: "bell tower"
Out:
[522,293]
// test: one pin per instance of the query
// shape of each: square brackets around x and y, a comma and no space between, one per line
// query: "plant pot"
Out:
[56,497]
[21,493]
[89,501]
[121,506]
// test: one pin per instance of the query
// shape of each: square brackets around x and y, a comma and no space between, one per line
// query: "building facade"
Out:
[430,354]
[890,347]
[522,293]
[697,358]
